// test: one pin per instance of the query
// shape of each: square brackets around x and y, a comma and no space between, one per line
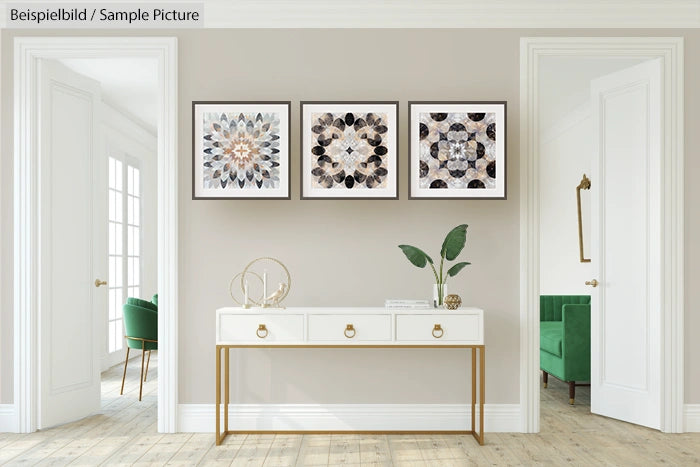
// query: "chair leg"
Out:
[148,360]
[143,354]
[572,392]
[124,377]
[545,378]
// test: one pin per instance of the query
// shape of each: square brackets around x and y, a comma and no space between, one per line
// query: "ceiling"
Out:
[130,85]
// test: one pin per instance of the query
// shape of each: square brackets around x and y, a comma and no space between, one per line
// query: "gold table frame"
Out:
[481,349]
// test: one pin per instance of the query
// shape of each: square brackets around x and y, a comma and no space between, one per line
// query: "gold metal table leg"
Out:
[218,394]
[220,435]
[482,392]
[473,352]
[226,389]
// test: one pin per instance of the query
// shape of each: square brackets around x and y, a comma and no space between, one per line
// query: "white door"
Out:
[73,245]
[625,245]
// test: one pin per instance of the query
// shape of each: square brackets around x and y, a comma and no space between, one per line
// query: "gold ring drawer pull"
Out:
[349,328]
[262,329]
[437,329]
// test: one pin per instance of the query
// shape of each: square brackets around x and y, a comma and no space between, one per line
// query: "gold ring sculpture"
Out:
[275,299]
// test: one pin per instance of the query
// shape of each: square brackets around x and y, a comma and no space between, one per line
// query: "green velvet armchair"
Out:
[565,339]
[141,326]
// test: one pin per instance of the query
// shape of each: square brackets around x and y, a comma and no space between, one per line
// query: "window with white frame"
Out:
[124,243]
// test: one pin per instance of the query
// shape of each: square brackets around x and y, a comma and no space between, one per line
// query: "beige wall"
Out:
[344,252]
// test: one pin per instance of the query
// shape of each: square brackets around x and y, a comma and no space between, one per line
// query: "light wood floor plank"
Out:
[404,449]
[254,451]
[314,450]
[284,451]
[124,433]
[192,452]
[344,450]
[375,450]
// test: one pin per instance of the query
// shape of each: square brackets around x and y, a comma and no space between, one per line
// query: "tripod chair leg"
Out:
[148,360]
[143,354]
[124,376]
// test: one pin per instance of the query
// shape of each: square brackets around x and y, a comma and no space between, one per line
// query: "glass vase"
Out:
[439,294]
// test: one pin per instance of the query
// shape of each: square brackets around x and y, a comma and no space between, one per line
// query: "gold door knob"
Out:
[592,283]
[261,329]
[99,282]
[349,328]
[437,329]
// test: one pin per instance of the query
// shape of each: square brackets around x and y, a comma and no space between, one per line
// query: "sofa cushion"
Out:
[550,337]
[551,305]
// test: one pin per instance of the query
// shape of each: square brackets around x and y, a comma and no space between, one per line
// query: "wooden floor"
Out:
[125,433]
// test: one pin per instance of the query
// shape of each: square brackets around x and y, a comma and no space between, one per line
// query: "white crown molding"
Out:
[443,14]
[348,417]
[453,14]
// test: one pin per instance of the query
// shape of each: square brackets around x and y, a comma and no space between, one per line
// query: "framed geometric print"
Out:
[349,150]
[457,150]
[240,150]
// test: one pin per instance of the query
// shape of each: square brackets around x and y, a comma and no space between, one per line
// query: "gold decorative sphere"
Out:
[452,301]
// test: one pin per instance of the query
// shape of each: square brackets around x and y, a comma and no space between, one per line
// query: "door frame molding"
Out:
[670,51]
[26,267]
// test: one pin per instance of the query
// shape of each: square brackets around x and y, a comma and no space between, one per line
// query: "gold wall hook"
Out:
[585,184]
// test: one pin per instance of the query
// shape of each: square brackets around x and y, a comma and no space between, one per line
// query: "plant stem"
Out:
[434,273]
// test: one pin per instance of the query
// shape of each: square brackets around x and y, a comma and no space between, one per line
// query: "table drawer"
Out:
[350,328]
[261,329]
[439,328]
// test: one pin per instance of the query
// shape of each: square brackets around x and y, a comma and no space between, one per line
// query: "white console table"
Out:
[350,328]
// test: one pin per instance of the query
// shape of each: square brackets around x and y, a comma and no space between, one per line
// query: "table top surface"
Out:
[321,310]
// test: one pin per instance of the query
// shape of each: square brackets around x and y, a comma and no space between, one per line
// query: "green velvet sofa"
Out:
[565,339]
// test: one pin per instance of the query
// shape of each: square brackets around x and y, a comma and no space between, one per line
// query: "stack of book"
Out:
[407,304]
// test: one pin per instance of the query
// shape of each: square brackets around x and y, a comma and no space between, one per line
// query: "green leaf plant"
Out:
[452,246]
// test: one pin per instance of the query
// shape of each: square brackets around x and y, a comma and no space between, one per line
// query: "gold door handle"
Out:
[349,328]
[438,328]
[261,329]
[592,283]
[584,185]
[99,282]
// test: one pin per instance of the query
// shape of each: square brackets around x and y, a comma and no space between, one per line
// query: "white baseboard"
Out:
[692,418]
[348,417]
[8,420]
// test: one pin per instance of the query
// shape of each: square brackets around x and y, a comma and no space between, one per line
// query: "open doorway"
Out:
[98,151]
[96,199]
[129,150]
[569,136]
[609,108]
